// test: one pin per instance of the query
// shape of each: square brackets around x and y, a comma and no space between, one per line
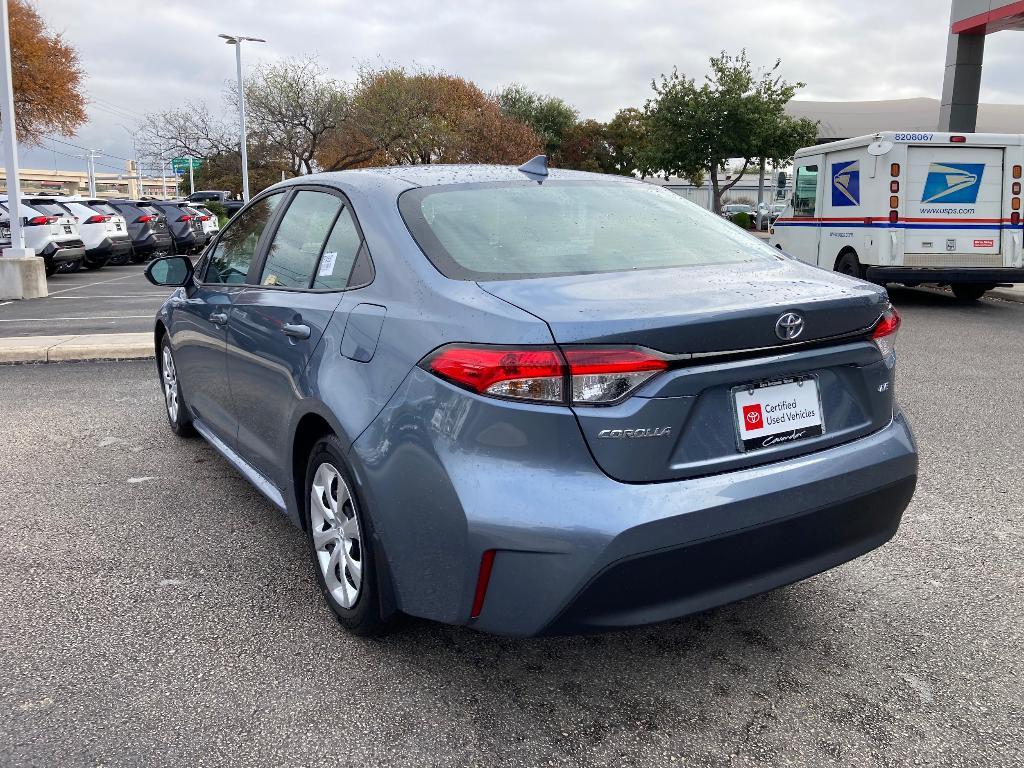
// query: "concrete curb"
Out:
[1007,294]
[94,346]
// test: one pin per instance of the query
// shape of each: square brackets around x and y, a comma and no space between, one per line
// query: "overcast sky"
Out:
[598,55]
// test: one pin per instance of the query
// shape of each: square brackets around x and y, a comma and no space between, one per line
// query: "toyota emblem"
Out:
[789,326]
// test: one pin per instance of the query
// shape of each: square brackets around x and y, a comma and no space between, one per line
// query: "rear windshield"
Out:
[509,230]
[104,208]
[51,208]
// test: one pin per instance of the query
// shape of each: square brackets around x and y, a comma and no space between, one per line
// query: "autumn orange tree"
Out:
[47,78]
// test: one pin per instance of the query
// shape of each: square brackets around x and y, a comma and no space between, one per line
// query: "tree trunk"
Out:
[716,191]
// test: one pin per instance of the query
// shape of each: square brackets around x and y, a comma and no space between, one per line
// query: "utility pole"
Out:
[163,177]
[191,176]
[91,157]
[236,40]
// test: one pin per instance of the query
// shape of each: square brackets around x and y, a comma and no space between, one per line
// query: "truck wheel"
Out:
[967,292]
[848,264]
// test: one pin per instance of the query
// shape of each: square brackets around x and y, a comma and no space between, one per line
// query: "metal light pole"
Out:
[93,154]
[10,137]
[236,40]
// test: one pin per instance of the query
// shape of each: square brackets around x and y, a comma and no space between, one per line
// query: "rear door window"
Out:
[234,252]
[299,241]
[339,254]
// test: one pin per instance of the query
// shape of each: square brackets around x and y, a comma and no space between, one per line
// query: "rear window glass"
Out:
[512,230]
[50,208]
[104,208]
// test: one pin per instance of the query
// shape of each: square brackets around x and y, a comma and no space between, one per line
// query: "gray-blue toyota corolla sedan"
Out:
[532,402]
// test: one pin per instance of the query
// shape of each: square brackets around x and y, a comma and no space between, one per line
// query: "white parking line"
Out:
[89,285]
[51,319]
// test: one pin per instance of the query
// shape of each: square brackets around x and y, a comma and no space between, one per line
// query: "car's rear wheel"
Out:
[174,403]
[340,541]
[119,260]
[93,264]
[71,266]
[50,269]
[968,292]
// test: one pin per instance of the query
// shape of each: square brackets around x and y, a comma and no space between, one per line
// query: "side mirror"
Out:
[170,271]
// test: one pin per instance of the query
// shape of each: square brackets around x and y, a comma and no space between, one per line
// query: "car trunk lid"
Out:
[717,325]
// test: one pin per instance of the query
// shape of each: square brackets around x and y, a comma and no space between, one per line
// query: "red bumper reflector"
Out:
[486,563]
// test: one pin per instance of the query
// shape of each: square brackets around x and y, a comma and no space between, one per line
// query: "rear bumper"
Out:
[153,242]
[109,247]
[946,275]
[480,477]
[694,577]
[62,253]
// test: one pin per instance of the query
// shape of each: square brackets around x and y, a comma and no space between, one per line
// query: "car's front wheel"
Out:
[177,413]
[340,541]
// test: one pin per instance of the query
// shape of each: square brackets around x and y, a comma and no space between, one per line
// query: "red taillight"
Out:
[884,334]
[958,139]
[482,579]
[522,373]
[604,375]
[38,221]
[185,217]
[145,219]
[96,219]
[1015,218]
[204,218]
[575,375]
[894,216]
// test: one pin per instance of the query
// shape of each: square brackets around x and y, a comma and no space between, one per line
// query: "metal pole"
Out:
[241,123]
[163,178]
[93,154]
[191,178]
[10,135]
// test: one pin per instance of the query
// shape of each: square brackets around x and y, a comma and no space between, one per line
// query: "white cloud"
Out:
[599,56]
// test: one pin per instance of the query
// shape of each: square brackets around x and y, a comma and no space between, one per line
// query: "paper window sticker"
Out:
[327,263]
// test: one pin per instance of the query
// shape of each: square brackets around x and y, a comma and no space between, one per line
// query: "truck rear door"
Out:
[953,206]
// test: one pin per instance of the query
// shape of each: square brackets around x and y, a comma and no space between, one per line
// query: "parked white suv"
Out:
[106,237]
[53,236]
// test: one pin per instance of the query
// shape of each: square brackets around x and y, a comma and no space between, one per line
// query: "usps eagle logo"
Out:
[846,183]
[953,183]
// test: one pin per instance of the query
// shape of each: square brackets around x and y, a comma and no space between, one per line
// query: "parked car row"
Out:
[71,231]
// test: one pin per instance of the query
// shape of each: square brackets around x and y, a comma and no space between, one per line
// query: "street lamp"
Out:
[236,40]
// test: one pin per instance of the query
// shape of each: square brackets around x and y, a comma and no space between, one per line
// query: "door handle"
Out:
[295,330]
[218,318]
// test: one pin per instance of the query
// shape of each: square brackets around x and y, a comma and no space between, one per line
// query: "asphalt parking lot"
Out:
[155,610]
[109,300]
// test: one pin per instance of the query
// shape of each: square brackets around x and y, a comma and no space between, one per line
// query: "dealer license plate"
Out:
[774,413]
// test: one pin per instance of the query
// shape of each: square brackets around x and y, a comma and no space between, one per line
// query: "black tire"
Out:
[179,420]
[849,264]
[71,266]
[93,264]
[119,260]
[50,269]
[364,616]
[967,293]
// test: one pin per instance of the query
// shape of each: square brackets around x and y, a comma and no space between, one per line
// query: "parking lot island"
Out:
[90,346]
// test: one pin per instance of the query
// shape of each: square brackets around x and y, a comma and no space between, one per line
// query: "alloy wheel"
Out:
[170,381]
[336,535]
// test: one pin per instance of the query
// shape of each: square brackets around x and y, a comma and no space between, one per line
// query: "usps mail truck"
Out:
[910,208]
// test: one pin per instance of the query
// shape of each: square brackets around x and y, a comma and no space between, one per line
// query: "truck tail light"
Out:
[894,186]
[884,333]
[1016,171]
[1015,203]
[894,216]
[580,375]
[894,202]
[894,169]
[1015,218]
[958,139]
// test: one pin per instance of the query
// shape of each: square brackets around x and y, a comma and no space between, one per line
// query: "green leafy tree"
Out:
[694,130]
[549,116]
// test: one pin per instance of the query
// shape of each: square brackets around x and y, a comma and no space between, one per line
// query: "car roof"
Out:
[434,175]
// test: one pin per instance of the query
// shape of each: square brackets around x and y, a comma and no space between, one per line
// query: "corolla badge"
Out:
[789,326]
[632,434]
